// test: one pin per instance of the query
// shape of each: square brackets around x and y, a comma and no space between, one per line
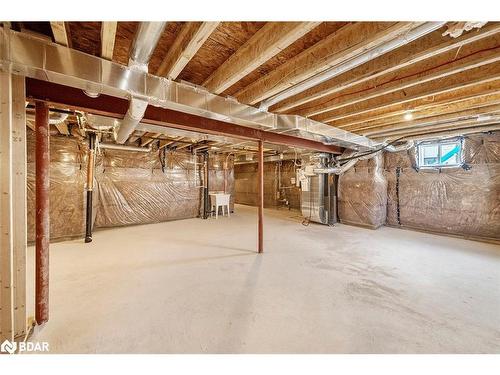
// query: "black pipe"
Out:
[206,198]
[90,185]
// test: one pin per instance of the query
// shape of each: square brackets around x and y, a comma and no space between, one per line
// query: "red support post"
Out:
[42,220]
[261,196]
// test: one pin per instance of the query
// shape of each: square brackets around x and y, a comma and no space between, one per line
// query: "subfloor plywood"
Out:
[196,286]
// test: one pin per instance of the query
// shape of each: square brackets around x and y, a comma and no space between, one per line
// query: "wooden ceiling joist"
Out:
[440,104]
[349,41]
[60,33]
[108,34]
[62,127]
[476,76]
[466,124]
[469,114]
[266,43]
[422,49]
[454,109]
[375,90]
[187,43]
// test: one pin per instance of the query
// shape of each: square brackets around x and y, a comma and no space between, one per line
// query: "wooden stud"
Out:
[6,214]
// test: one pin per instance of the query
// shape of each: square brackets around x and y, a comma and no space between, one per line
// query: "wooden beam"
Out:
[338,47]
[270,40]
[165,143]
[476,76]
[375,89]
[464,124]
[418,114]
[427,47]
[73,98]
[445,133]
[62,127]
[59,31]
[148,138]
[188,42]
[461,99]
[470,114]
[30,125]
[108,33]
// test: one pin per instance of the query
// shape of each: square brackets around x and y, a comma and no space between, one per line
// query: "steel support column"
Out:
[206,197]
[260,182]
[42,220]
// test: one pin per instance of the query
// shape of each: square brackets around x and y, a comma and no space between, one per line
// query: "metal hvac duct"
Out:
[145,41]
[31,57]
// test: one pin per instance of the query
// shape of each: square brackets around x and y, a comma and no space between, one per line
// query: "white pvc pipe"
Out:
[113,146]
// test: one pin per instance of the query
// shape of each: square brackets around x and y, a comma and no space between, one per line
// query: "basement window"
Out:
[437,154]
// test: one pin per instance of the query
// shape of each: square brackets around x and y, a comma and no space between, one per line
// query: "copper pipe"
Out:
[261,196]
[42,219]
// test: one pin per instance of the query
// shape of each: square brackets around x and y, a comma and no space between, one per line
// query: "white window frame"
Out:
[440,143]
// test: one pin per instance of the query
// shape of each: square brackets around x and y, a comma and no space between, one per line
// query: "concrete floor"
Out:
[196,286]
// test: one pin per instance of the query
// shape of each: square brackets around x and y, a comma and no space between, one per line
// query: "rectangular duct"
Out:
[35,58]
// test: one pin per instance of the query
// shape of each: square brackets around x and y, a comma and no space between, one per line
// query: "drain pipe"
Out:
[90,187]
[371,54]
[206,197]
[146,38]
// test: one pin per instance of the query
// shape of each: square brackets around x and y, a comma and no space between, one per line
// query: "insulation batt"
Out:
[129,187]
[246,184]
[448,200]
[362,194]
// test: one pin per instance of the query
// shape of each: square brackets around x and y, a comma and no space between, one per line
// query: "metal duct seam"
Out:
[145,41]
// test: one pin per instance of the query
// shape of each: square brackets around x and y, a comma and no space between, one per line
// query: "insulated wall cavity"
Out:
[362,194]
[129,187]
[279,186]
[457,201]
